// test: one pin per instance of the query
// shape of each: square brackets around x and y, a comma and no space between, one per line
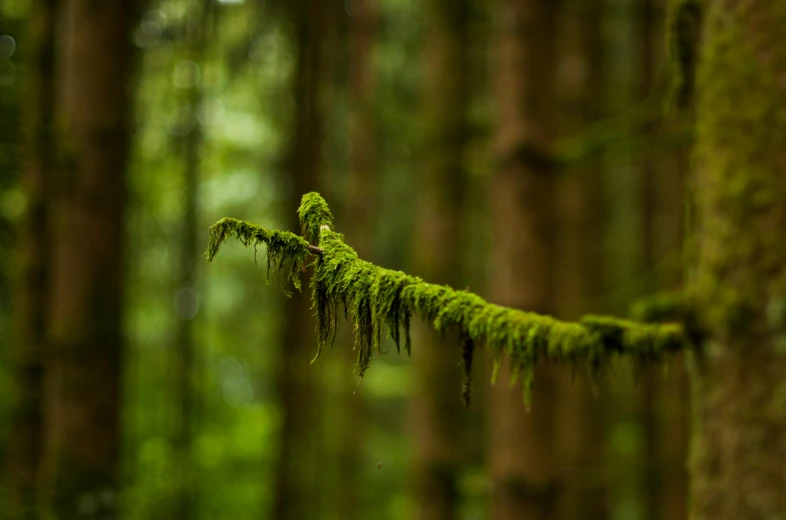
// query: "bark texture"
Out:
[739,385]
[83,364]
[521,449]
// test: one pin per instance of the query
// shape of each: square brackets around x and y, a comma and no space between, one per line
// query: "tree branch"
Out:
[374,298]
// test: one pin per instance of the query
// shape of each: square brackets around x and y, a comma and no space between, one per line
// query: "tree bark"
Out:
[663,399]
[739,392]
[83,371]
[521,450]
[32,294]
[359,225]
[296,494]
[198,18]
[582,414]
[441,229]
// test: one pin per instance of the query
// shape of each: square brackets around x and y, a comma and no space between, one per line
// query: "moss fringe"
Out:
[376,300]
[286,252]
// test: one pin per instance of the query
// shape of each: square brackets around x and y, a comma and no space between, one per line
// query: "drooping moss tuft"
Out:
[467,352]
[286,252]
[378,300]
[314,213]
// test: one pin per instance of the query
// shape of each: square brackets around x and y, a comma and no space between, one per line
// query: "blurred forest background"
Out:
[191,395]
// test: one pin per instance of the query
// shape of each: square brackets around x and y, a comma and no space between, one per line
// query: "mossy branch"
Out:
[286,251]
[375,299]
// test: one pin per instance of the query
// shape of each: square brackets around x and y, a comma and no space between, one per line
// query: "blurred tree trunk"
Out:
[521,449]
[361,197]
[196,28]
[440,231]
[581,282]
[296,494]
[739,395]
[83,365]
[32,296]
[663,401]
[649,178]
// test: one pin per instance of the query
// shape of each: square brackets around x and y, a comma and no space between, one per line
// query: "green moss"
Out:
[314,213]
[378,300]
[286,252]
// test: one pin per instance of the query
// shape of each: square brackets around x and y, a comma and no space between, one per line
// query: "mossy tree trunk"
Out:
[32,291]
[521,448]
[296,494]
[441,230]
[83,364]
[739,386]
[582,414]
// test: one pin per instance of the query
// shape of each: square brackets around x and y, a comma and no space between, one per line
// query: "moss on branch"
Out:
[286,251]
[381,301]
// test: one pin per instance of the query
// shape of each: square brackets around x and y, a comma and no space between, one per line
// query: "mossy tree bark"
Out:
[296,494]
[32,291]
[739,386]
[83,365]
[521,448]
[582,414]
[440,232]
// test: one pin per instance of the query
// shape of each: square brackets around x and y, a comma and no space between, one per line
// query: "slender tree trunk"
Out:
[651,481]
[83,371]
[521,450]
[362,84]
[26,451]
[361,197]
[437,410]
[739,392]
[582,414]
[187,288]
[663,398]
[296,480]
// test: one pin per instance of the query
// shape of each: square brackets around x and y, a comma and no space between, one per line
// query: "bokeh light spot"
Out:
[186,303]
[7,47]
[186,74]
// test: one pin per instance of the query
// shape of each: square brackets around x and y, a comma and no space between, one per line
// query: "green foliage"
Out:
[375,298]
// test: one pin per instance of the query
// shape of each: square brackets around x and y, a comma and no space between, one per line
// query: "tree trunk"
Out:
[738,384]
[296,493]
[83,371]
[26,451]
[582,414]
[650,176]
[521,449]
[359,225]
[663,399]
[440,232]
[198,16]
